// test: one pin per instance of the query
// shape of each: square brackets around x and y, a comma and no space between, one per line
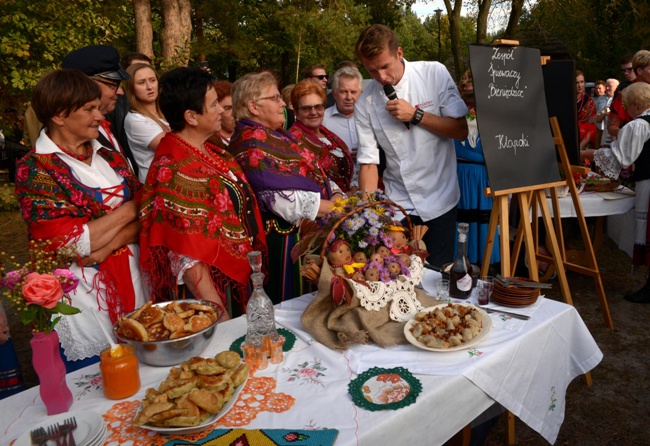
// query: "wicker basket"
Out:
[356,210]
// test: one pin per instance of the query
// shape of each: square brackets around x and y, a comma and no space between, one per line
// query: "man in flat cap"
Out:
[102,64]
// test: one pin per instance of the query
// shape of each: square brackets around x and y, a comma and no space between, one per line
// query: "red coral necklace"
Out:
[81,157]
[216,162]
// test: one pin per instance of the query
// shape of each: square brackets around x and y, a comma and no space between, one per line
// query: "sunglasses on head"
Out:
[320,76]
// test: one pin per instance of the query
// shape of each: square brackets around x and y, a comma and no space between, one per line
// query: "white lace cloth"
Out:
[605,159]
[400,293]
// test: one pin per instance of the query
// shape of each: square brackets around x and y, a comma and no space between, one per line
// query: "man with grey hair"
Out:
[602,110]
[347,85]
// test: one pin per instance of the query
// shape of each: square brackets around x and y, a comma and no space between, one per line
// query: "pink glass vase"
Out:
[50,369]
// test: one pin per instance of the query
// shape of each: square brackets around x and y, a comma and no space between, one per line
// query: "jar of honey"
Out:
[120,372]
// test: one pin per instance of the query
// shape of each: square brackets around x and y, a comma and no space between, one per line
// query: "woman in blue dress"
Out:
[473,207]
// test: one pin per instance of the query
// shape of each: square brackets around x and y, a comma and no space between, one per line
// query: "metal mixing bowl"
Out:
[173,351]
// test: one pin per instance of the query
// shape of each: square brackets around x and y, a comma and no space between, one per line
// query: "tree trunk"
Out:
[176,33]
[513,21]
[453,14]
[481,20]
[143,27]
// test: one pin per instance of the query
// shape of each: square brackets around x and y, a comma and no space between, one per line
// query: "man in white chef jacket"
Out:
[416,132]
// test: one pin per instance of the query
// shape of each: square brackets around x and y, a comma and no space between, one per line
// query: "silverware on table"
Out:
[515,315]
[38,437]
[509,281]
[53,433]
[67,430]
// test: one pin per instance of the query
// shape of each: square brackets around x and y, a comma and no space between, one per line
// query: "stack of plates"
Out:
[91,428]
[514,296]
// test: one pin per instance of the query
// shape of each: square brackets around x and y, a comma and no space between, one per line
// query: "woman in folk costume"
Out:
[199,215]
[76,192]
[309,99]
[289,182]
[632,148]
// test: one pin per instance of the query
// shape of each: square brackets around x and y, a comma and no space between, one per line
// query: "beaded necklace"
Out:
[214,161]
[81,157]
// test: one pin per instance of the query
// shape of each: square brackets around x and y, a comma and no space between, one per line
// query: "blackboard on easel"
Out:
[512,116]
[560,88]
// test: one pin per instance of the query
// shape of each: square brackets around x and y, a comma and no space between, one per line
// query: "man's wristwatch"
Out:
[417,117]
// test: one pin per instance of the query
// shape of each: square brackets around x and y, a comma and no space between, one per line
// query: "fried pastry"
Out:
[206,400]
[228,359]
[150,316]
[187,397]
[239,375]
[132,329]
[173,322]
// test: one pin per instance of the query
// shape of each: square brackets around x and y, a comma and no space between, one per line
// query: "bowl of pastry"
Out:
[169,333]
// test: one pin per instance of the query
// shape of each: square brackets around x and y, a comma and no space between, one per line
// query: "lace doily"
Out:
[605,159]
[400,293]
[382,389]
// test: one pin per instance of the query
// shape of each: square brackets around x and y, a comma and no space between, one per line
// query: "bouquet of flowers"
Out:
[39,289]
[363,240]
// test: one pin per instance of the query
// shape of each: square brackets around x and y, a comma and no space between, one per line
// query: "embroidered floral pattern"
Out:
[553,399]
[295,436]
[473,352]
[88,383]
[306,374]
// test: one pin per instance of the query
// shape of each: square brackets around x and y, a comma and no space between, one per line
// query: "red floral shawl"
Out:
[339,169]
[192,206]
[56,205]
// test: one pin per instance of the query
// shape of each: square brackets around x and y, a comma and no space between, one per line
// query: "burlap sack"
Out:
[338,327]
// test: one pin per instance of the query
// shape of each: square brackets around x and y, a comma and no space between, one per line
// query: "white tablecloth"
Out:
[527,370]
[595,204]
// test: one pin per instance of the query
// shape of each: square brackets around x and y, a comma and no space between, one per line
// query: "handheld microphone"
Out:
[392,94]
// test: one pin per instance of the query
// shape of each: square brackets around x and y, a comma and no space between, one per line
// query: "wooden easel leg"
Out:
[554,248]
[505,233]
[511,428]
[531,257]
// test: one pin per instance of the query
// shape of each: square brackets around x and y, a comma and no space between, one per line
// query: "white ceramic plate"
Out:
[485,329]
[98,440]
[202,426]
[89,426]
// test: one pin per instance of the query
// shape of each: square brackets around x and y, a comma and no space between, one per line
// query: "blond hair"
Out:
[638,93]
[248,88]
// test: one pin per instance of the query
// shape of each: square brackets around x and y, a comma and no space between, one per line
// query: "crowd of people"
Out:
[164,184]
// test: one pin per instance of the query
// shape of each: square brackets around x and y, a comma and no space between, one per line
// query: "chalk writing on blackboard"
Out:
[512,117]
[501,72]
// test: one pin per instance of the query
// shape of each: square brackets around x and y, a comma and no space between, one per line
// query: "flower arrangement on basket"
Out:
[39,289]
[367,266]
[361,240]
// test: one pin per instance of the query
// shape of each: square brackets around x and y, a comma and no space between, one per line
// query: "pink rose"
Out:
[307,373]
[22,172]
[164,174]
[13,278]
[67,278]
[42,289]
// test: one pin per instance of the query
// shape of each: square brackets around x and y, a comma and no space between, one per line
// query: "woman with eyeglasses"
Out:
[308,100]
[288,180]
[145,124]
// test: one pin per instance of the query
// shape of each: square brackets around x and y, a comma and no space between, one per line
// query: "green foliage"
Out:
[596,32]
[35,35]
[8,200]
